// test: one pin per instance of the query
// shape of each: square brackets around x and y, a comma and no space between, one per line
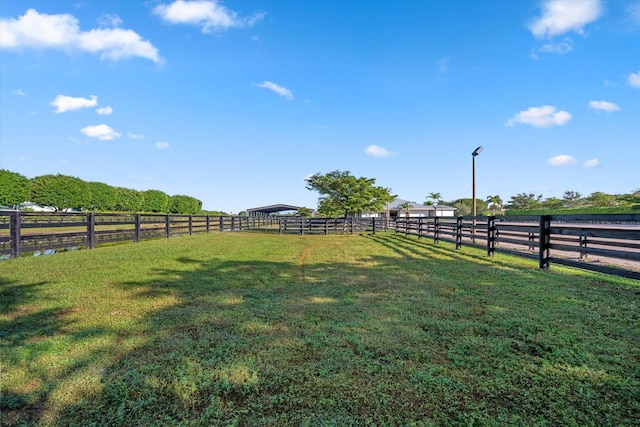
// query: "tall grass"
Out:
[253,329]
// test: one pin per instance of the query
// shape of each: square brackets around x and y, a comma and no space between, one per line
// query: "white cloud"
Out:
[282,91]
[65,103]
[102,132]
[562,16]
[105,111]
[604,106]
[593,163]
[560,48]
[209,15]
[135,135]
[109,20]
[376,151]
[62,32]
[162,145]
[562,160]
[633,79]
[19,92]
[540,117]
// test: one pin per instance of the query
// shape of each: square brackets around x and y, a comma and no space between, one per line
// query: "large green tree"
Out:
[103,196]
[61,192]
[184,205]
[155,201]
[128,200]
[342,194]
[14,188]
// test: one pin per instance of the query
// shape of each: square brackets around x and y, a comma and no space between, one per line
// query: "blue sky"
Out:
[236,102]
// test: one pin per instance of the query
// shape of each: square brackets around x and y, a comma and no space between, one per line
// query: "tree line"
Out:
[63,192]
[530,203]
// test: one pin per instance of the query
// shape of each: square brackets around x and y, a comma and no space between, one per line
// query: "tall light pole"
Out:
[473,173]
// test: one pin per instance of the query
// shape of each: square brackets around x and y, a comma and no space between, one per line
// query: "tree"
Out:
[552,203]
[304,212]
[155,201]
[343,194]
[14,188]
[524,201]
[128,200]
[103,197]
[481,206]
[61,192]
[495,203]
[433,199]
[406,206]
[571,199]
[462,209]
[600,199]
[184,205]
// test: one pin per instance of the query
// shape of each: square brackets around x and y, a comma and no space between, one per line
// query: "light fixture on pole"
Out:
[473,200]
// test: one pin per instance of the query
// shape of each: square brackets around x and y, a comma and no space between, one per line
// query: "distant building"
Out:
[394,210]
[33,207]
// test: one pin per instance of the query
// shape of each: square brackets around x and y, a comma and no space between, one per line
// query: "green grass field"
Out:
[256,329]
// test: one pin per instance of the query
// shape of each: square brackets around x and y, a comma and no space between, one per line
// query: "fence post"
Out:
[279,225]
[137,231]
[583,244]
[458,232]
[419,227]
[208,223]
[373,224]
[436,230]
[167,225]
[221,223]
[491,235]
[544,241]
[301,225]
[15,223]
[91,230]
[190,225]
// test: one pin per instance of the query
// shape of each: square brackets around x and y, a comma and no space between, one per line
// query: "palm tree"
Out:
[407,206]
[435,198]
[495,202]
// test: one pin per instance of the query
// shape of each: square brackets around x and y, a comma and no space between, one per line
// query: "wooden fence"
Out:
[604,243]
[37,232]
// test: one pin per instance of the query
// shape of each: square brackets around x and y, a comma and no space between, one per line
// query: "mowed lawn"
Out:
[254,329]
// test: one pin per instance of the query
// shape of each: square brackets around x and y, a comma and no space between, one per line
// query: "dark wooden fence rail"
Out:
[610,242]
[37,232]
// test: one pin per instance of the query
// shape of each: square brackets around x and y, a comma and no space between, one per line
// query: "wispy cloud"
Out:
[65,103]
[102,132]
[376,151]
[19,92]
[208,15]
[633,79]
[282,91]
[105,111]
[593,163]
[62,32]
[560,48]
[162,145]
[604,106]
[561,16]
[540,117]
[132,135]
[562,160]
